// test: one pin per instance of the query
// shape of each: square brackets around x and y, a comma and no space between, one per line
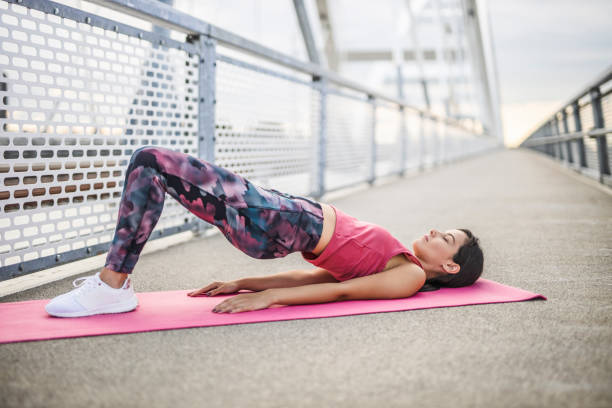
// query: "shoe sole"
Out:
[123,307]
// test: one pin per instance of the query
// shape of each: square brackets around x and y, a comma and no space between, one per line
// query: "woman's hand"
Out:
[217,288]
[244,302]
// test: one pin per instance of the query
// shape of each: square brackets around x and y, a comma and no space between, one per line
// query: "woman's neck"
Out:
[430,273]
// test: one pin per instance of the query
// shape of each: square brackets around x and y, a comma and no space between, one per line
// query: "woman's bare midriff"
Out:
[329,225]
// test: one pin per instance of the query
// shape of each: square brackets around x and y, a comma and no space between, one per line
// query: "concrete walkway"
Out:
[541,230]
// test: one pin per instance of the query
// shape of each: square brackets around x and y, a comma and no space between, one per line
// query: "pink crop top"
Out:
[357,248]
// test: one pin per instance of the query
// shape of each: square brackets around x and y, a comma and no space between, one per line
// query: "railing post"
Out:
[436,138]
[322,137]
[558,146]
[555,146]
[422,141]
[403,141]
[206,100]
[602,146]
[568,143]
[540,133]
[372,177]
[549,146]
[578,128]
[206,96]
[443,140]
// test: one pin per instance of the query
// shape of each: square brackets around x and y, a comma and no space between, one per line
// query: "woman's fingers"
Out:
[224,306]
[217,288]
[242,303]
[204,289]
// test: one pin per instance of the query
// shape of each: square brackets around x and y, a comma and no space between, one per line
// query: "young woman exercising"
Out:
[353,259]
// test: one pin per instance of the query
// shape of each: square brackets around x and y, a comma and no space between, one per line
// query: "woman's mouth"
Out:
[426,238]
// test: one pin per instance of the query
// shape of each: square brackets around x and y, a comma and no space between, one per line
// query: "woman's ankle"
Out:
[112,278]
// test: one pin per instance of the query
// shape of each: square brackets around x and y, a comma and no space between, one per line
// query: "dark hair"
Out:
[470,259]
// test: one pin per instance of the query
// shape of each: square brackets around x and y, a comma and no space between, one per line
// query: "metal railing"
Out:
[81,92]
[580,141]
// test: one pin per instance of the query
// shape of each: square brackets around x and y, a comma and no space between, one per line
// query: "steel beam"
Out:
[305,27]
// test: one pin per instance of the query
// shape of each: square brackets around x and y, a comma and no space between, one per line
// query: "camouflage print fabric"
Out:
[262,223]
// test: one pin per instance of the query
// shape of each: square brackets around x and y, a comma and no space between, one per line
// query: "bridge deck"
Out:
[540,229]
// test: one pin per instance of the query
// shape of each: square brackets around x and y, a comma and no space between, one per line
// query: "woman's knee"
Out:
[144,156]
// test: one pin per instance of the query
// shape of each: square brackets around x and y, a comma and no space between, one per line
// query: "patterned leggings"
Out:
[262,223]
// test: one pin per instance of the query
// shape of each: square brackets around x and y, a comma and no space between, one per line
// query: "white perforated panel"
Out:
[413,142]
[606,107]
[349,140]
[590,144]
[430,143]
[266,128]
[571,122]
[388,139]
[76,101]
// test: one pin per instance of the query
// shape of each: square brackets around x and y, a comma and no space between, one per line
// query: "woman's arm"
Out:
[399,282]
[316,293]
[402,281]
[301,295]
[286,279]
[280,280]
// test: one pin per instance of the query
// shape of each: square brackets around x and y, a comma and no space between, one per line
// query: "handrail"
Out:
[599,132]
[564,137]
[601,79]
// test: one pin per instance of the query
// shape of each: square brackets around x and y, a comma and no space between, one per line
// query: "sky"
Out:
[546,52]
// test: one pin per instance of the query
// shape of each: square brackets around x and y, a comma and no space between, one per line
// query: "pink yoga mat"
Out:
[28,320]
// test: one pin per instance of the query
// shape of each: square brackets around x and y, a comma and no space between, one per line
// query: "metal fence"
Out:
[576,134]
[79,93]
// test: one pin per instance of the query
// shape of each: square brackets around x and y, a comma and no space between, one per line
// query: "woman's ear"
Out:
[451,267]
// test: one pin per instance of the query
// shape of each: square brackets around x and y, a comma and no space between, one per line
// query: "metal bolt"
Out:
[58,257]
[20,268]
[214,64]
[19,1]
[88,20]
[116,28]
[56,11]
[214,101]
[89,250]
[201,99]
[140,35]
[202,60]
[162,42]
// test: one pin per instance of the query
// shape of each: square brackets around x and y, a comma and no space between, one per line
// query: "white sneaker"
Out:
[91,297]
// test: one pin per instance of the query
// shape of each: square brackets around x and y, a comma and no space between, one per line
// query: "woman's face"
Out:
[437,248]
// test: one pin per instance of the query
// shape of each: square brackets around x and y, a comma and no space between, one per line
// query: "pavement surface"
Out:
[540,229]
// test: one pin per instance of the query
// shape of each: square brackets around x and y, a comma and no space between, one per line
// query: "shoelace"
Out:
[88,283]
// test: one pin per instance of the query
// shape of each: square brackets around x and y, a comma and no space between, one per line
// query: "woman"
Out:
[354,259]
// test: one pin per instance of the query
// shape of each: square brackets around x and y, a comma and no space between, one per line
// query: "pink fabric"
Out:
[358,248]
[28,320]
